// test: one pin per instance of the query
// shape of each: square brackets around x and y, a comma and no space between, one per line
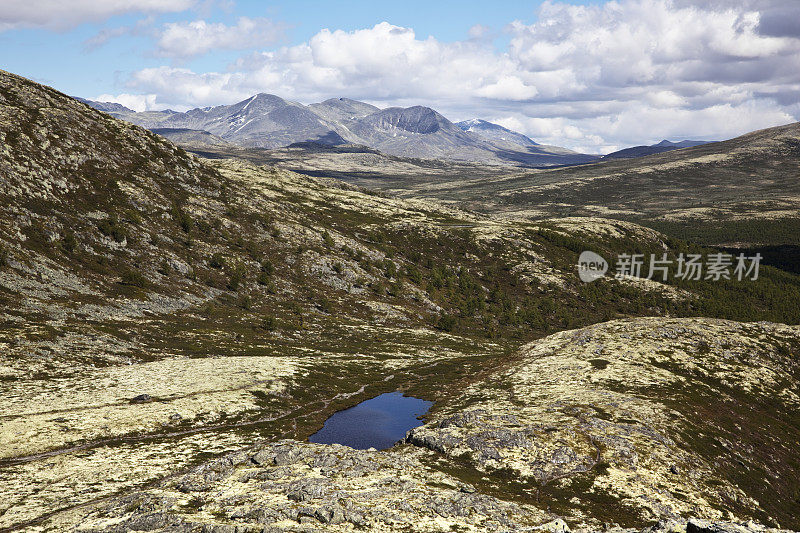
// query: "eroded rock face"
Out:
[289,486]
[662,418]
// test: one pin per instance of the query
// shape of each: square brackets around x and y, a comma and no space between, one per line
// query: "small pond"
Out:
[375,423]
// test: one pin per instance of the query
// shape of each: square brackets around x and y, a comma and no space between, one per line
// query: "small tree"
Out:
[183,218]
[268,323]
[236,277]
[111,227]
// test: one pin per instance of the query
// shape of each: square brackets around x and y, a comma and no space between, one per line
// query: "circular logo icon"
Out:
[591,267]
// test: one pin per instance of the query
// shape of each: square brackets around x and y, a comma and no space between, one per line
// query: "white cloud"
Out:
[106,34]
[587,77]
[385,63]
[508,88]
[187,39]
[137,102]
[60,14]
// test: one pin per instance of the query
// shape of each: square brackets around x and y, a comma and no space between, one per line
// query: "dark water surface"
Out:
[375,423]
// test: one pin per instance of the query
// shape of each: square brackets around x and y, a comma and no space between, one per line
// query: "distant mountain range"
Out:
[663,146]
[268,121]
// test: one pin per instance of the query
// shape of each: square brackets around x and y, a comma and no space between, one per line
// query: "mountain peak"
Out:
[414,119]
[495,132]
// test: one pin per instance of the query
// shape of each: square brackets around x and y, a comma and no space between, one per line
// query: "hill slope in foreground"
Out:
[174,329]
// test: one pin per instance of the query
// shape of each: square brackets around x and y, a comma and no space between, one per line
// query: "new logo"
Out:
[591,267]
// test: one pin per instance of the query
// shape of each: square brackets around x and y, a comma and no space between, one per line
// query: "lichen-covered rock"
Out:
[289,486]
[665,418]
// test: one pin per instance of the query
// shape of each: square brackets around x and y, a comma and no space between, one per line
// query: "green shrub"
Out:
[133,216]
[3,256]
[69,243]
[395,289]
[217,260]
[389,268]
[183,219]
[324,305]
[268,323]
[327,239]
[134,278]
[267,267]
[338,268]
[414,275]
[446,322]
[236,278]
[112,227]
[377,288]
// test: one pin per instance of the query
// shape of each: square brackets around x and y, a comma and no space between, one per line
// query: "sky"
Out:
[591,75]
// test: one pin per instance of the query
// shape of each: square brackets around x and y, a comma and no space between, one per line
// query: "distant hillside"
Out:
[739,192]
[197,138]
[495,132]
[641,151]
[268,121]
[111,108]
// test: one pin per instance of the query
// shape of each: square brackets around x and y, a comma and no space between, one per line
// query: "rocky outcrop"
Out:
[665,418]
[289,486]
[292,487]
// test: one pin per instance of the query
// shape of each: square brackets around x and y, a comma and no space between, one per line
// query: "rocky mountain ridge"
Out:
[268,121]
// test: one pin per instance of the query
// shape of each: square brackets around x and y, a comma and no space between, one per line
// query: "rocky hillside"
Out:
[160,312]
[641,419]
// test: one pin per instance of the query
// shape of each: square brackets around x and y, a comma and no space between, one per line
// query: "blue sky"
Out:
[592,75]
